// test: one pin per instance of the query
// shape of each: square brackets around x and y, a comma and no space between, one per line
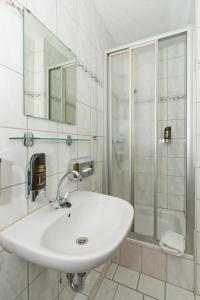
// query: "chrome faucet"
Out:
[62,201]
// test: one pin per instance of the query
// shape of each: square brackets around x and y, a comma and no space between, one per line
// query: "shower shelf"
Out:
[28,139]
[178,97]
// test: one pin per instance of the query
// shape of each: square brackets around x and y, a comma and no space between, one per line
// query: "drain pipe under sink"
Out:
[76,281]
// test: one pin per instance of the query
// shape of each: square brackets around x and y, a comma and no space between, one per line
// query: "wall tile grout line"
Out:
[11,69]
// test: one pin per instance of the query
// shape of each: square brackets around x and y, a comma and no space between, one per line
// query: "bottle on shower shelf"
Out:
[167,135]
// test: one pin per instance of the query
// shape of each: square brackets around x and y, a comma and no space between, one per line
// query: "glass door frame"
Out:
[131,135]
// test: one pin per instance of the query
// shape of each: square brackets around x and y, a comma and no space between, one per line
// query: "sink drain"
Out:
[82,241]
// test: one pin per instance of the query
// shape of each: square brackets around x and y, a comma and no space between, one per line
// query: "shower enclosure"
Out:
[150,161]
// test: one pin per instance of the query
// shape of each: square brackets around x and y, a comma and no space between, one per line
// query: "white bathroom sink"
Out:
[48,237]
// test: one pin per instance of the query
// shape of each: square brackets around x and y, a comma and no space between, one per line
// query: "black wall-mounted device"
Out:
[36,175]
[167,134]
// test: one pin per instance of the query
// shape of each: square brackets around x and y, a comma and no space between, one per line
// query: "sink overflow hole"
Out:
[82,241]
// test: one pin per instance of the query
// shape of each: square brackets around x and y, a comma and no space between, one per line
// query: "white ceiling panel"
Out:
[131,20]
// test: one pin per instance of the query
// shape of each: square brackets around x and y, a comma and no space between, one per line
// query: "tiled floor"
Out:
[123,284]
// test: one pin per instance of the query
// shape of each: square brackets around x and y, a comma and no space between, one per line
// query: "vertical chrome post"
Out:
[0,171]
[190,170]
[110,139]
[62,102]
[155,231]
[105,179]
[131,130]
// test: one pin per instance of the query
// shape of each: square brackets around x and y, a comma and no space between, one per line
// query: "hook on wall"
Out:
[15,5]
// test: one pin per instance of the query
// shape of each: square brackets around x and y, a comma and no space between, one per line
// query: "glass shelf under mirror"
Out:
[28,139]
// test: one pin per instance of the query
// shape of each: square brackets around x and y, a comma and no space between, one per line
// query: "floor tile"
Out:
[124,293]
[79,297]
[111,271]
[176,293]
[13,275]
[90,282]
[152,287]
[148,298]
[67,293]
[107,290]
[127,277]
[198,273]
[115,257]
[23,295]
[100,268]
[45,286]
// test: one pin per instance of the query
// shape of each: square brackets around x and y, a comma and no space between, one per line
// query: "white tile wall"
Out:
[46,11]
[11,38]
[13,204]
[11,93]
[34,271]
[66,26]
[79,26]
[12,170]
[172,161]
[154,263]
[176,293]
[180,272]
[14,276]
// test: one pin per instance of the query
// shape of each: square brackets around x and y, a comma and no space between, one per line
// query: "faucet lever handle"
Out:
[66,195]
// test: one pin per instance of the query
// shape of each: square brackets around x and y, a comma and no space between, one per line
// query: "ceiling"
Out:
[131,20]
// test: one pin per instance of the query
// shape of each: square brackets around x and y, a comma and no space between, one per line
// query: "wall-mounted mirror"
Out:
[49,74]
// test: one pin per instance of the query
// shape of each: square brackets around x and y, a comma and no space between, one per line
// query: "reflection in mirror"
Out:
[49,74]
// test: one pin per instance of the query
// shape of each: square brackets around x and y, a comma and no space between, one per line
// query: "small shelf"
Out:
[28,139]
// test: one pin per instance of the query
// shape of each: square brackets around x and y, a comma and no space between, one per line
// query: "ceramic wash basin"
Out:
[73,239]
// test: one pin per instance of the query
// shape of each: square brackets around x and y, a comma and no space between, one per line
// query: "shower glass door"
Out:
[132,106]
[143,138]
[119,166]
[150,136]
